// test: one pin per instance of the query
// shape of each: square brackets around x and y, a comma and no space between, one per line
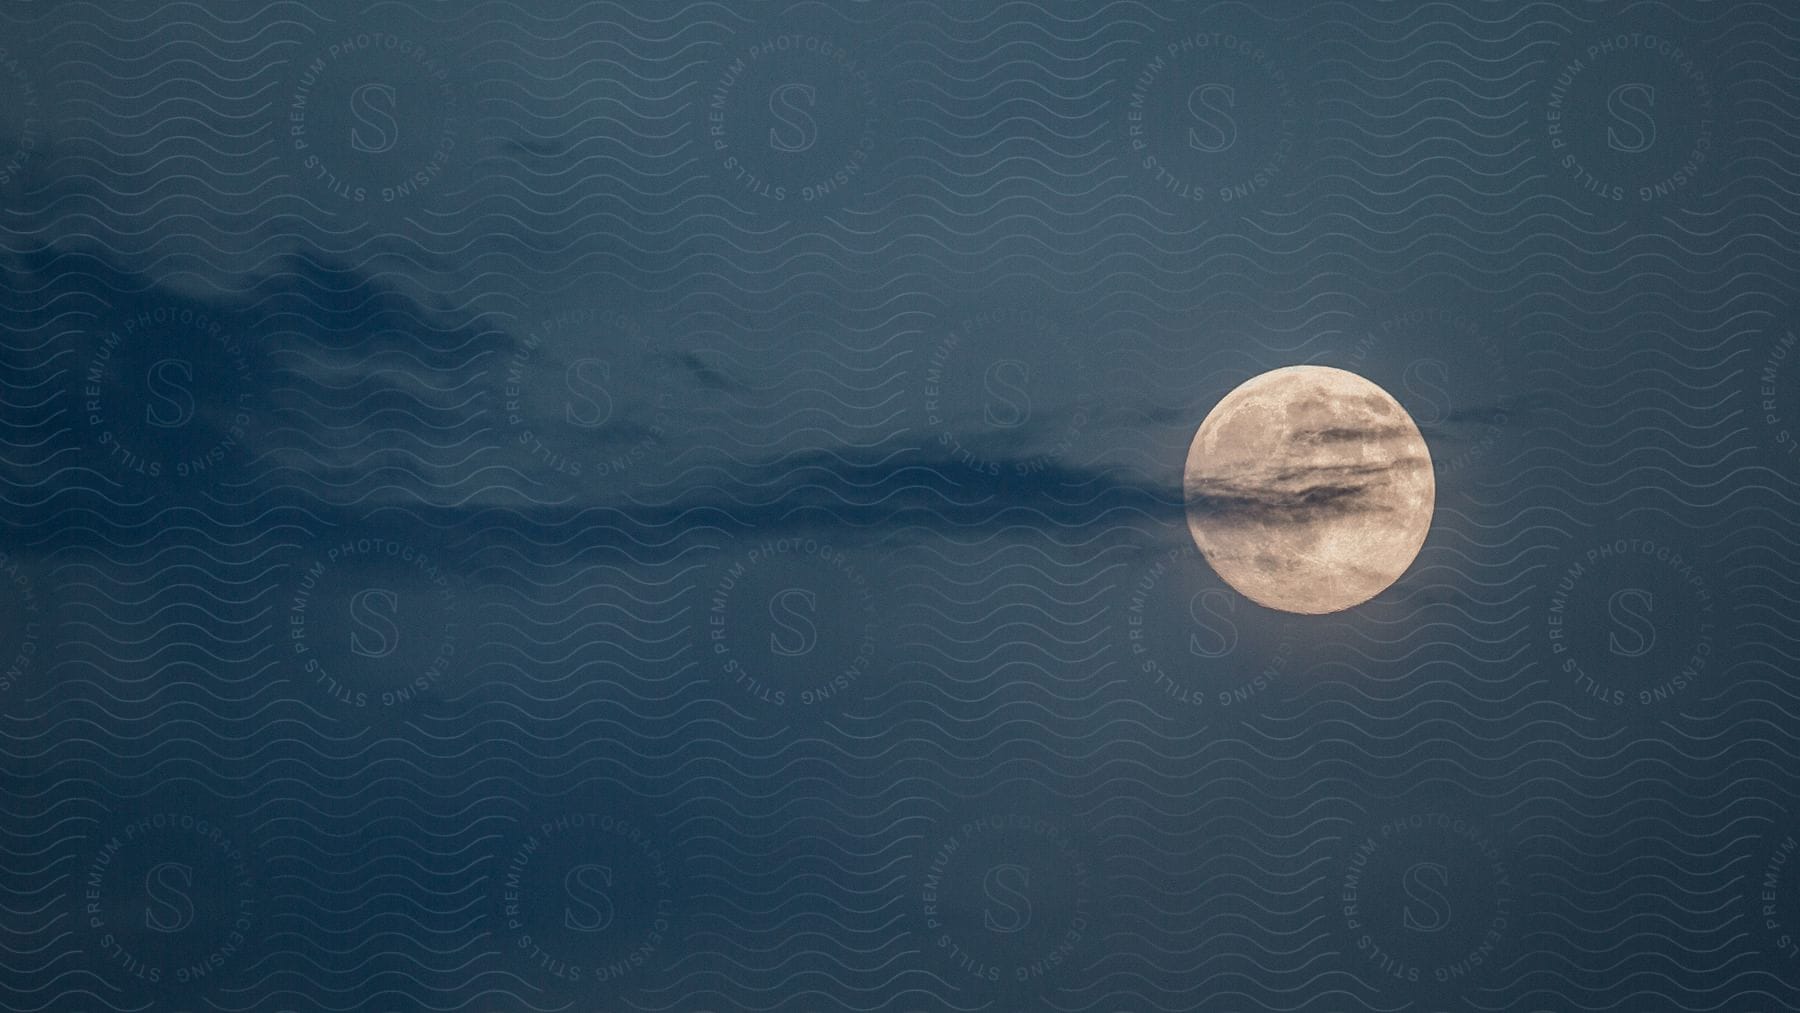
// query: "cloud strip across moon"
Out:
[1309,489]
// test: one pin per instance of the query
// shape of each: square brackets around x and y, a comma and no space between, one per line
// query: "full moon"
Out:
[1309,489]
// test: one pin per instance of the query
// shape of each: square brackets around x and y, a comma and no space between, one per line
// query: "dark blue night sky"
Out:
[680,506]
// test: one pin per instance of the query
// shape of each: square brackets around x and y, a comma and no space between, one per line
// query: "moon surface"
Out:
[1309,489]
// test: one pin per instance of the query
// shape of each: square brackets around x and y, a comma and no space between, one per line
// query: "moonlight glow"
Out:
[1309,489]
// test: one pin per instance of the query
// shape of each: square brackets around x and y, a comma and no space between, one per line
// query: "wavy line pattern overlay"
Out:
[677,507]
